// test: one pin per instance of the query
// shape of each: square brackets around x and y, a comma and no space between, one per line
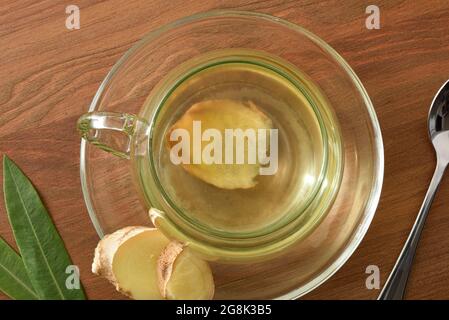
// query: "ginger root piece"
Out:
[221,115]
[128,259]
[184,276]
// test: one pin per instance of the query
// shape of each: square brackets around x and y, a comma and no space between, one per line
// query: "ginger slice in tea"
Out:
[220,116]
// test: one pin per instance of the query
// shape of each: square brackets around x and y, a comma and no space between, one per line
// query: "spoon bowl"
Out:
[439,112]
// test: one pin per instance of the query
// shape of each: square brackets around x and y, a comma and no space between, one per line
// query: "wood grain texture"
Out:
[49,74]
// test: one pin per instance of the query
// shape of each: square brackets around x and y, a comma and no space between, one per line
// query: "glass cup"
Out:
[306,199]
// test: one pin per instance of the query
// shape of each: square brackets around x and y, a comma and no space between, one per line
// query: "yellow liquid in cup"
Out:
[308,142]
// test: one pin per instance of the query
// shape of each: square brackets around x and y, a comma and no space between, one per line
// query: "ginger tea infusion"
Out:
[243,143]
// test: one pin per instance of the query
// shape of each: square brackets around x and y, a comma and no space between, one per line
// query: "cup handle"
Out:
[100,128]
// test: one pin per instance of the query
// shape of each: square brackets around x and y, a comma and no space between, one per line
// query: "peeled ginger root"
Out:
[220,115]
[128,259]
[144,265]
[183,276]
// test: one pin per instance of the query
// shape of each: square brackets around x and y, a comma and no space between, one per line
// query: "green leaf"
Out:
[42,250]
[14,281]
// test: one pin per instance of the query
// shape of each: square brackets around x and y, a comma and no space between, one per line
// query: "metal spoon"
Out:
[438,123]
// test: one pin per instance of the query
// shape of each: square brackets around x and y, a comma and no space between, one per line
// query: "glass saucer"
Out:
[107,184]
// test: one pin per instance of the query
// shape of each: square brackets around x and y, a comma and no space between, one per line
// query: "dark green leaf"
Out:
[14,281]
[42,250]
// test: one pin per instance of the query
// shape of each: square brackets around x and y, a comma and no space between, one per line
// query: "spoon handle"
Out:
[394,288]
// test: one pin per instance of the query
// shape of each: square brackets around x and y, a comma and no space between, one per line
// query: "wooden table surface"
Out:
[49,74]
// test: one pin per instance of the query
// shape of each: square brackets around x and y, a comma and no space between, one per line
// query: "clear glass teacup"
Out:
[241,224]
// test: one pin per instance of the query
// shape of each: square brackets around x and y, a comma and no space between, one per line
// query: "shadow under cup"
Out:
[242,224]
